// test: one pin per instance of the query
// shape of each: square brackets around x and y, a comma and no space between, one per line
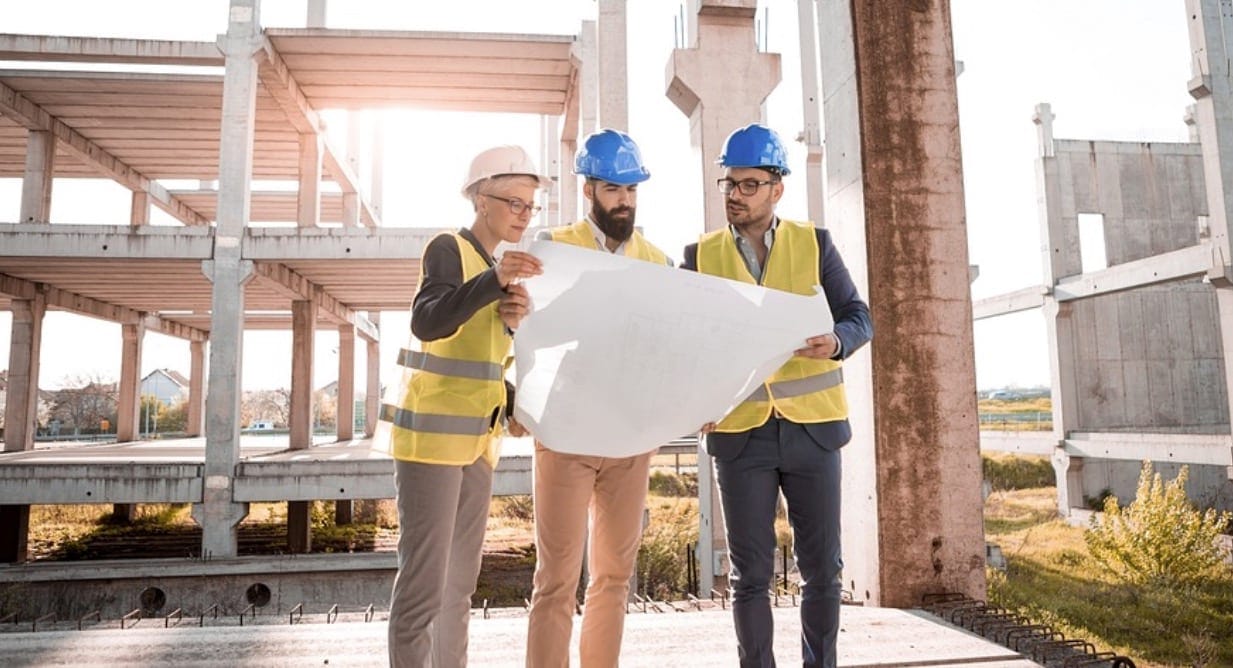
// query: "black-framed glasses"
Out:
[748,187]
[517,206]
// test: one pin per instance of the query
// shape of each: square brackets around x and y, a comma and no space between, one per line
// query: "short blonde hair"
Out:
[488,185]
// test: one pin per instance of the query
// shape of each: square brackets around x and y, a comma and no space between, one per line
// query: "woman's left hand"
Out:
[514,428]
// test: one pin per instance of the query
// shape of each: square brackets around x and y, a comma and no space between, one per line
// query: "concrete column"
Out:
[1060,257]
[906,195]
[613,66]
[316,13]
[128,404]
[308,204]
[25,349]
[1211,46]
[351,201]
[218,514]
[196,386]
[139,213]
[812,133]
[36,185]
[377,197]
[303,332]
[346,406]
[588,92]
[372,390]
[346,382]
[720,83]
[568,183]
[21,412]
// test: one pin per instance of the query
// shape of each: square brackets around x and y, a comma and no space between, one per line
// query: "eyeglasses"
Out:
[748,187]
[517,206]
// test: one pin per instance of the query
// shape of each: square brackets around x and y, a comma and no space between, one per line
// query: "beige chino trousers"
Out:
[567,488]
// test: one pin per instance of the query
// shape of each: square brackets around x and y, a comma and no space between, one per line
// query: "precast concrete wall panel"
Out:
[1148,360]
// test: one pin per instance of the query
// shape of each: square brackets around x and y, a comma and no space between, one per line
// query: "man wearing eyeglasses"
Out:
[785,437]
[569,486]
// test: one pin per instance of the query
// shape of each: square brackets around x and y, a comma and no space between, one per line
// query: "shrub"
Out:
[1018,472]
[666,483]
[1160,538]
[664,553]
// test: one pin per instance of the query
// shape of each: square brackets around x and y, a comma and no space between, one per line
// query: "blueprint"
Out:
[619,356]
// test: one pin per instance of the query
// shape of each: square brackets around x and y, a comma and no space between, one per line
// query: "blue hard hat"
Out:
[610,155]
[755,145]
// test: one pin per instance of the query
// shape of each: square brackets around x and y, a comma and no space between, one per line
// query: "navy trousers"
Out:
[782,456]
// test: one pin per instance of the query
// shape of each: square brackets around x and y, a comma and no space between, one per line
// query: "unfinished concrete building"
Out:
[1137,348]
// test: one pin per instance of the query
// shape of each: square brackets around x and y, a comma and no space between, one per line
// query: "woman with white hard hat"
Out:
[446,426]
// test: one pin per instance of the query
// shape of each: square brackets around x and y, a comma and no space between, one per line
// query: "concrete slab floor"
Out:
[869,637]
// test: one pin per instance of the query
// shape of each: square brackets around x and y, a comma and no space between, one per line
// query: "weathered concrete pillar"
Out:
[346,382]
[351,200]
[36,185]
[21,412]
[218,513]
[139,213]
[719,83]
[196,386]
[589,80]
[1211,45]
[128,404]
[303,333]
[308,202]
[895,197]
[372,379]
[613,66]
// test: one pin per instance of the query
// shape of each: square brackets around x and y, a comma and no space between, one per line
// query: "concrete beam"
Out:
[1182,263]
[58,48]
[1018,442]
[1203,449]
[1023,299]
[278,82]
[75,303]
[296,287]
[33,117]
[110,241]
[100,482]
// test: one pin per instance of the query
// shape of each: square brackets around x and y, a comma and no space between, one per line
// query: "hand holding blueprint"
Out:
[619,356]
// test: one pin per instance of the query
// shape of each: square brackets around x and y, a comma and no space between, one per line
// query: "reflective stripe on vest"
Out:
[437,424]
[803,389]
[795,388]
[443,366]
[452,388]
[580,234]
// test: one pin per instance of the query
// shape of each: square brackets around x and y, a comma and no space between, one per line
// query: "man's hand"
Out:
[707,428]
[514,428]
[821,347]
[515,265]
[514,305]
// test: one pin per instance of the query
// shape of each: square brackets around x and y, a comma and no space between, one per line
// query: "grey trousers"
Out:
[782,456]
[442,513]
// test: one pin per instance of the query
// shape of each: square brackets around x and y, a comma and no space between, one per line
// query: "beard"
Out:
[614,222]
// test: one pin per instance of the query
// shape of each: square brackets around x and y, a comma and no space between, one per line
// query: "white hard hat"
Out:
[502,160]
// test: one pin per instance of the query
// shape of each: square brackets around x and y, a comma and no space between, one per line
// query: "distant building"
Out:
[168,386]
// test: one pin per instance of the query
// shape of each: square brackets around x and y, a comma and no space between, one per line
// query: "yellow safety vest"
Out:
[803,390]
[580,234]
[451,387]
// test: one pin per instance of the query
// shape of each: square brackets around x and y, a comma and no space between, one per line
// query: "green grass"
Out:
[1051,579]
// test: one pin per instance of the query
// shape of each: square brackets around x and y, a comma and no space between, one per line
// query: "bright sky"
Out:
[1112,69]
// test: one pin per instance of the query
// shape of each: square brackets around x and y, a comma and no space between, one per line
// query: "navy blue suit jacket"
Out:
[852,325]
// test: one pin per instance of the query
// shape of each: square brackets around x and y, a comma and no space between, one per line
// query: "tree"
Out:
[174,418]
[84,402]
